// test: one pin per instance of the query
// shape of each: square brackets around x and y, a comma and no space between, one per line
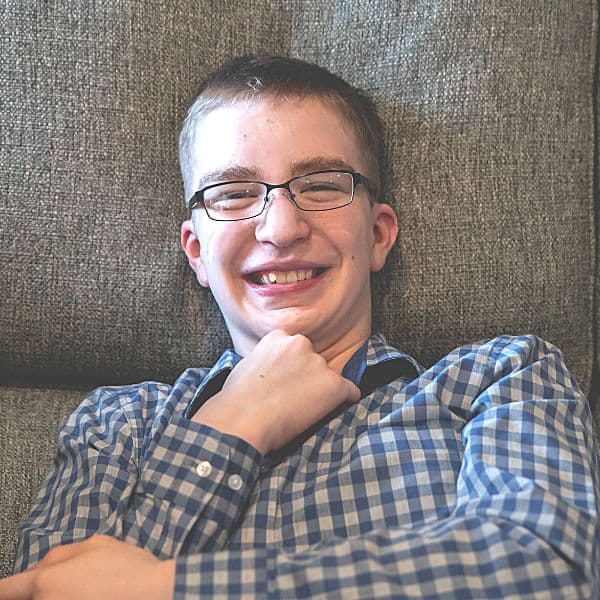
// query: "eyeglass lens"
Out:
[242,199]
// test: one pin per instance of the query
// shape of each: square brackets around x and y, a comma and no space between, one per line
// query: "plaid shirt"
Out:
[474,479]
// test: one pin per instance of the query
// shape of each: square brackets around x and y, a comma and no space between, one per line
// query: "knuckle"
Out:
[321,363]
[54,555]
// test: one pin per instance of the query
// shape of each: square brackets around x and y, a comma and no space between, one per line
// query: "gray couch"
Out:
[490,108]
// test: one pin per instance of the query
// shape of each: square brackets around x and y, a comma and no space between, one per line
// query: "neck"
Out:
[339,354]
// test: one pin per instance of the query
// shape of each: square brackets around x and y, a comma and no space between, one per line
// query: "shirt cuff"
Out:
[195,473]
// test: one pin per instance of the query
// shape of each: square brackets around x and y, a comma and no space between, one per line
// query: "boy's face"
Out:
[273,142]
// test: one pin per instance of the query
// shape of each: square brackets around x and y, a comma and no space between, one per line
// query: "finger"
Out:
[17,587]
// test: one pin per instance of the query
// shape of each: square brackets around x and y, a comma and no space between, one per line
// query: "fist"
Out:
[276,392]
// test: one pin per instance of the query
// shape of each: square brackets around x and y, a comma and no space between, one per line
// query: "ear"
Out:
[191,246]
[385,231]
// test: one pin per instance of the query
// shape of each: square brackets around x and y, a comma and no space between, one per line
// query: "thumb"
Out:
[353,392]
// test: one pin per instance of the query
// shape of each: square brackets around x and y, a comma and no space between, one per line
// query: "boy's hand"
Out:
[96,569]
[276,392]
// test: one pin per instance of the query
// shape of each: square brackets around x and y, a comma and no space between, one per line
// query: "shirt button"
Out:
[204,468]
[234,482]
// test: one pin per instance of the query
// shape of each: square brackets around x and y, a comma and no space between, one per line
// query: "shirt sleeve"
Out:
[128,465]
[526,518]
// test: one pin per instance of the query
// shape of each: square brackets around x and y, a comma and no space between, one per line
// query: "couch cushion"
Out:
[489,107]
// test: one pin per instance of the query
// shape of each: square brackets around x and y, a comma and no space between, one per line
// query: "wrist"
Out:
[226,416]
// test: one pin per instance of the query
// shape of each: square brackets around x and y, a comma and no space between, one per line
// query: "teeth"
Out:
[281,277]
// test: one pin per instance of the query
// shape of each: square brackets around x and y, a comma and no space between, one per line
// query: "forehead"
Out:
[271,135]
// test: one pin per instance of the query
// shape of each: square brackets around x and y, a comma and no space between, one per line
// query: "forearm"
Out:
[472,557]
[162,488]
[476,557]
[191,490]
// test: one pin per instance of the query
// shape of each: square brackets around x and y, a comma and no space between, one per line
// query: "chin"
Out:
[291,327]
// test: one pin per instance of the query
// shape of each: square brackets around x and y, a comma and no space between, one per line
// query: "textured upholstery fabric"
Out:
[595,393]
[490,136]
[489,107]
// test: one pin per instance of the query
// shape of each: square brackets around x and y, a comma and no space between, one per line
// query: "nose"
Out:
[282,222]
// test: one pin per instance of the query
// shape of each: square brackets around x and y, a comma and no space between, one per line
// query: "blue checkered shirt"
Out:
[476,478]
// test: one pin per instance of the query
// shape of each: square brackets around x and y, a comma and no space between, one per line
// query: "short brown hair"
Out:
[255,77]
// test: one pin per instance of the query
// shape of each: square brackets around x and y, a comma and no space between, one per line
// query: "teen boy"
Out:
[314,460]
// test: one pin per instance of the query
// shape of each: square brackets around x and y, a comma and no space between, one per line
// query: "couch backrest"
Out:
[489,107]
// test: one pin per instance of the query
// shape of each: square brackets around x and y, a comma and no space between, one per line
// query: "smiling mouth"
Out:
[285,277]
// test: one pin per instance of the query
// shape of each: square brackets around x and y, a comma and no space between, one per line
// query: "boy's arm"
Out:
[138,479]
[525,521]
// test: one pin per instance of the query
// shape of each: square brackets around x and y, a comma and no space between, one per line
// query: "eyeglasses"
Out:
[239,200]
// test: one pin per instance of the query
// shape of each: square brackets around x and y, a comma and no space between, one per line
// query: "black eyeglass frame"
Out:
[357,178]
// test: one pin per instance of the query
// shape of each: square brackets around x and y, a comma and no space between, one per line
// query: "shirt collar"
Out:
[378,351]
[213,381]
[374,364]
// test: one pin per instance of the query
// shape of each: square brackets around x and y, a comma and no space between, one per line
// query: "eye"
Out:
[239,195]
[228,196]
[321,186]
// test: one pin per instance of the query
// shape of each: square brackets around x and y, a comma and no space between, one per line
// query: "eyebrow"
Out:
[252,173]
[319,163]
[231,173]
